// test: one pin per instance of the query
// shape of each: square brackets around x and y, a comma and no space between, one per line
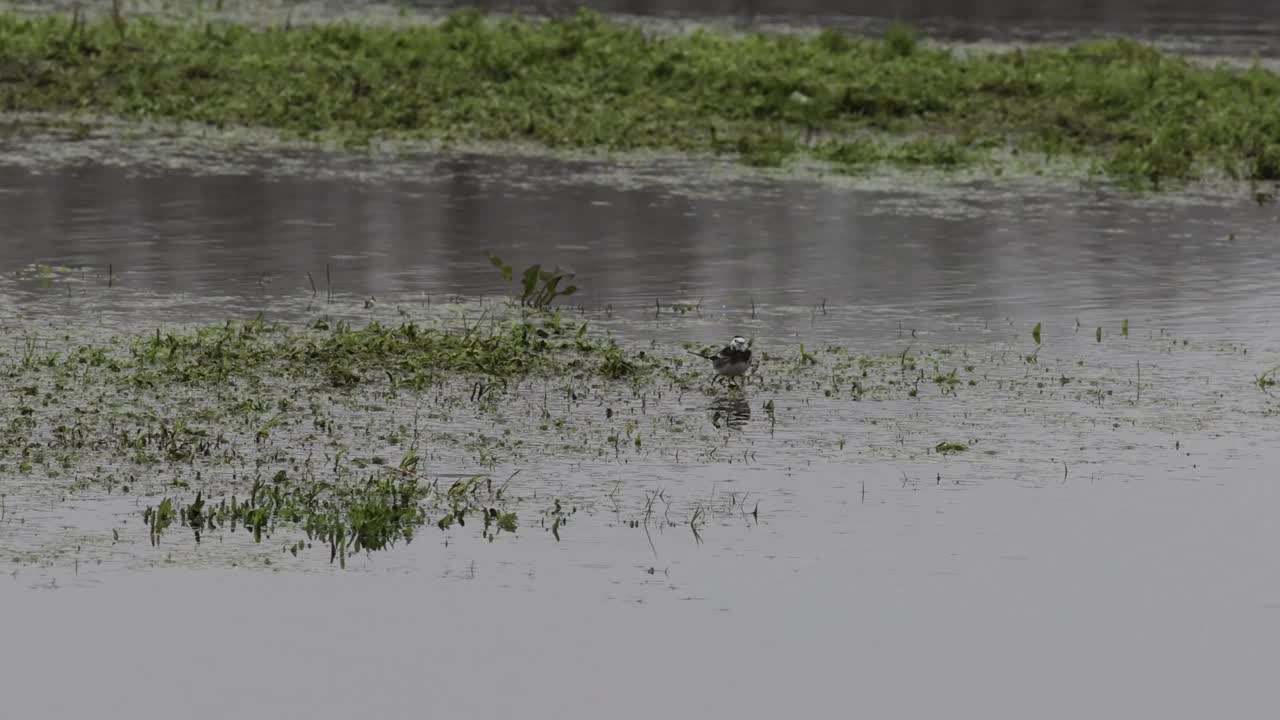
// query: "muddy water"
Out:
[1102,550]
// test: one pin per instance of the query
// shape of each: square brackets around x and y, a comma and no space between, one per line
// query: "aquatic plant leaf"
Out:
[1268,379]
[507,522]
[502,267]
[409,463]
[530,280]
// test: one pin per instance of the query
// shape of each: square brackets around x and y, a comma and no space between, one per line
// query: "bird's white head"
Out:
[738,343]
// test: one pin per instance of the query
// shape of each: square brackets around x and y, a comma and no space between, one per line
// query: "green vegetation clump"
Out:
[343,356]
[1135,113]
[1267,379]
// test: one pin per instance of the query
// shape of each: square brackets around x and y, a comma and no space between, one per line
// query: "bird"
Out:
[733,360]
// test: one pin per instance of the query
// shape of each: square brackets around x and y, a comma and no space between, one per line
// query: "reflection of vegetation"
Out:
[44,274]
[347,515]
[1137,113]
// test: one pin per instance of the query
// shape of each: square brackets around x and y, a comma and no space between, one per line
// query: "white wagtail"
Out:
[733,360]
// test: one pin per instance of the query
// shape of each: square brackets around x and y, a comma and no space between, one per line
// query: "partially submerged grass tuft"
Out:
[1133,112]
[950,448]
[344,356]
[1267,380]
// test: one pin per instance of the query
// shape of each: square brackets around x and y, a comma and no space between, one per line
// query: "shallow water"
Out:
[1234,28]
[1239,28]
[1101,550]
[967,250]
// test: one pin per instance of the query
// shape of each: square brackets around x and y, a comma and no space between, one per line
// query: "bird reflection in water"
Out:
[731,411]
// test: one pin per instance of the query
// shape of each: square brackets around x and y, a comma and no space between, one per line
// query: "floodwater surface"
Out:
[1100,546]
[658,232]
[1238,28]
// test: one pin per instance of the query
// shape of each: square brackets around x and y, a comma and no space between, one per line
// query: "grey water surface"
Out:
[976,249]
[1106,549]
[1244,25]
[1237,28]
[1086,560]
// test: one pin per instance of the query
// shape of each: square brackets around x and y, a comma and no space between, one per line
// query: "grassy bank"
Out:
[1135,113]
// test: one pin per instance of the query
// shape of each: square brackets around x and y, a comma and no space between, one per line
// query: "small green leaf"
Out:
[530,280]
[1035,333]
[1124,328]
[507,522]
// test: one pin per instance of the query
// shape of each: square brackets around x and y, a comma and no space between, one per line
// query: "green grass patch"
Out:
[1134,113]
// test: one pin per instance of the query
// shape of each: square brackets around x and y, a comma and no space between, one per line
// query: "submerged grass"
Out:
[258,426]
[347,515]
[352,439]
[1134,113]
